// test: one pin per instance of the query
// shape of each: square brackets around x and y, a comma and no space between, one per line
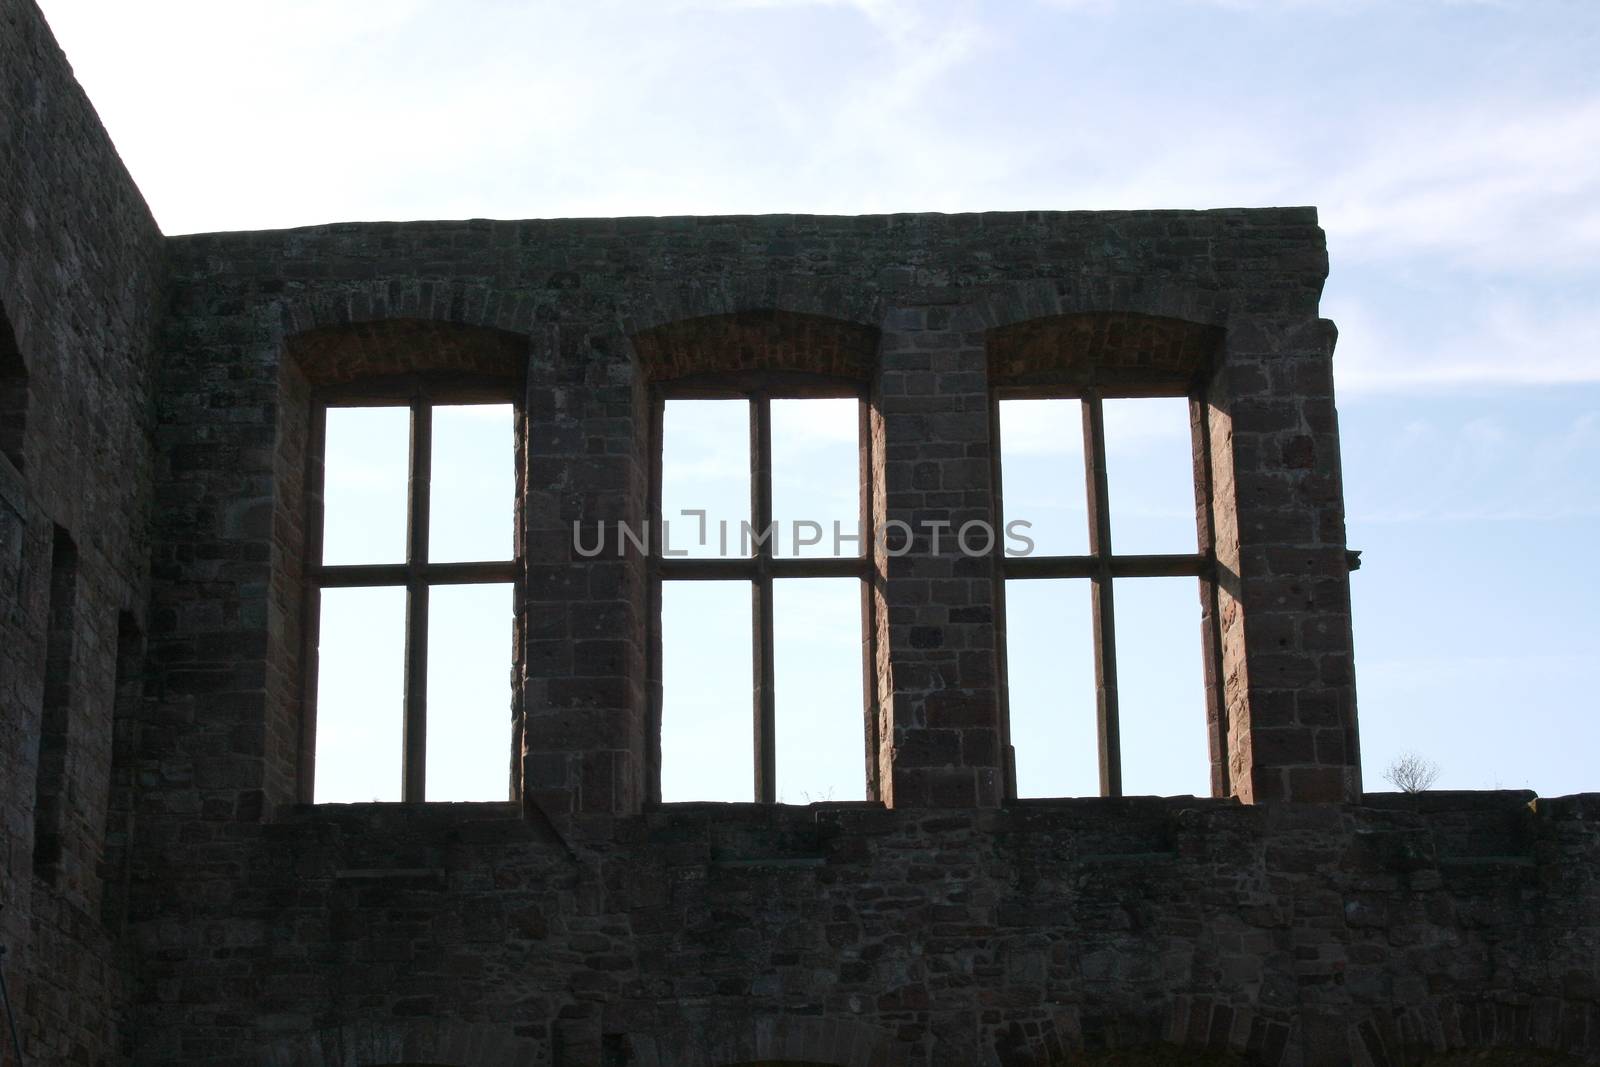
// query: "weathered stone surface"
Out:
[79,301]
[1025,935]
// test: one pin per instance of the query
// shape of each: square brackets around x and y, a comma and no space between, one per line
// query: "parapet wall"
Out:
[1048,933]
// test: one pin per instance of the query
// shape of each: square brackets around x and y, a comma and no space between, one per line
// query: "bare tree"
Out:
[1410,773]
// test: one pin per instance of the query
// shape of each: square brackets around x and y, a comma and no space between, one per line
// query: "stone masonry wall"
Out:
[80,263]
[167,898]
[593,300]
[940,926]
[1043,933]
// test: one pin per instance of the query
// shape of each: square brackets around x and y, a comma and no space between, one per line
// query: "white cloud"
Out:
[1489,186]
[1529,340]
[1335,6]
[1493,187]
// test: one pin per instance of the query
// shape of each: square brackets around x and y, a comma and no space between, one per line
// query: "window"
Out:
[410,597]
[122,778]
[1106,640]
[760,570]
[13,394]
[50,788]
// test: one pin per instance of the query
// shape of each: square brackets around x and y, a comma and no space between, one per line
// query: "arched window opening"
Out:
[760,559]
[55,730]
[122,783]
[411,552]
[1107,570]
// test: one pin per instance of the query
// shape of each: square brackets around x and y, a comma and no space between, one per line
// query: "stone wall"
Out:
[1229,298]
[79,298]
[1042,933]
[170,899]
[938,924]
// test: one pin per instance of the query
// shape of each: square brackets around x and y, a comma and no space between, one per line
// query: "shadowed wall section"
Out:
[81,295]
[757,341]
[1126,354]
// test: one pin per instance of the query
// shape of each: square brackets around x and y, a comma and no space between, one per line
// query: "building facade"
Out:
[172,894]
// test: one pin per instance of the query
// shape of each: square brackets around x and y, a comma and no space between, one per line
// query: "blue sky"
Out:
[1453,147]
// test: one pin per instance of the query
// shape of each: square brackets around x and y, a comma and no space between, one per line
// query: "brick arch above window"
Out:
[1185,1031]
[753,292]
[1125,351]
[1158,296]
[412,1043]
[766,341]
[338,355]
[1470,1029]
[406,298]
[778,1041]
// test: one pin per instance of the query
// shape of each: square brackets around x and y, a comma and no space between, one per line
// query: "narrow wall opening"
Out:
[759,501]
[13,393]
[60,633]
[395,547]
[1099,455]
[123,786]
[1104,606]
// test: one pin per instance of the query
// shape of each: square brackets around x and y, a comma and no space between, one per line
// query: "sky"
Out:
[1452,146]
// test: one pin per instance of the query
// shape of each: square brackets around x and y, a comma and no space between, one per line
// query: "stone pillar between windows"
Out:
[582,616]
[1287,649]
[940,739]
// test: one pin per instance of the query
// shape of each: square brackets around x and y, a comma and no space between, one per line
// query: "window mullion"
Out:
[1008,762]
[414,787]
[1105,641]
[1200,435]
[869,629]
[311,609]
[765,710]
[653,648]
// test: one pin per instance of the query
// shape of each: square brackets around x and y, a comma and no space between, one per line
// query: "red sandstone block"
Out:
[1317,785]
[1282,746]
[961,709]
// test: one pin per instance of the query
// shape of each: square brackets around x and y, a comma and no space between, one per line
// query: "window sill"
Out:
[752,806]
[441,812]
[1108,805]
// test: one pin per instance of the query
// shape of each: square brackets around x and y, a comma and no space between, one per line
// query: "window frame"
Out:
[1102,565]
[764,568]
[420,393]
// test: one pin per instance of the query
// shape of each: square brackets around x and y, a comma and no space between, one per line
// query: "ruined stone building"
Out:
[172,894]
